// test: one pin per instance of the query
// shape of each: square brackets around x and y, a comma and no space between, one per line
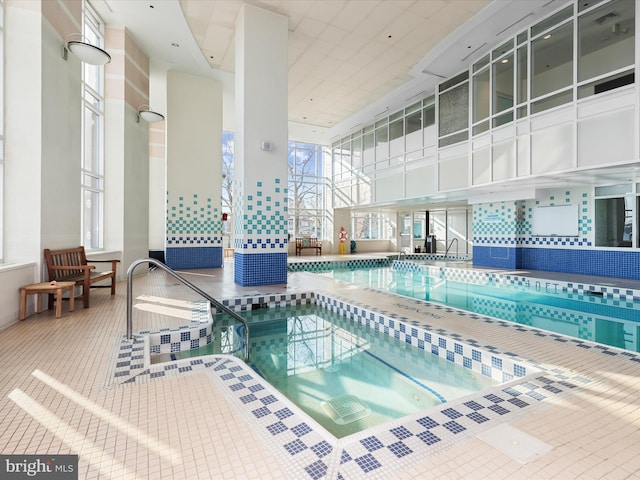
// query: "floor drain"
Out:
[346,409]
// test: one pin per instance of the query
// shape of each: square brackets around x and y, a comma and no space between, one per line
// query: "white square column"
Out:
[261,154]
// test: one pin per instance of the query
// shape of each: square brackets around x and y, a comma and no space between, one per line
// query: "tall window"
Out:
[307,211]
[371,226]
[1,131]
[92,139]
[227,185]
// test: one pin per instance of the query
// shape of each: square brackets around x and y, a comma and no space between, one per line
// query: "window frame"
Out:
[92,164]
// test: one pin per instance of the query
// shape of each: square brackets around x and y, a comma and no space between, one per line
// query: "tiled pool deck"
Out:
[64,391]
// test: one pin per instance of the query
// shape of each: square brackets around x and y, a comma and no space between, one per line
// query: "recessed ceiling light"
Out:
[547,36]
[505,60]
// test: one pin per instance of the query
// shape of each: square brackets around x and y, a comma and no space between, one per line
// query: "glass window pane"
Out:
[396,129]
[396,116]
[551,102]
[503,84]
[454,81]
[605,84]
[522,37]
[614,222]
[502,49]
[606,39]
[480,63]
[367,141]
[382,136]
[551,21]
[613,190]
[429,116]
[454,110]
[413,108]
[92,99]
[481,96]
[413,122]
[503,119]
[356,153]
[92,182]
[585,5]
[522,112]
[552,61]
[455,138]
[92,142]
[522,75]
[481,127]
[92,219]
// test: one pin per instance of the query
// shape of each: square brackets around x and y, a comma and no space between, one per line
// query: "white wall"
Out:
[23,147]
[12,277]
[157,163]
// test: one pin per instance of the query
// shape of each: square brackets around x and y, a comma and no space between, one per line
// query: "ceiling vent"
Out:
[605,18]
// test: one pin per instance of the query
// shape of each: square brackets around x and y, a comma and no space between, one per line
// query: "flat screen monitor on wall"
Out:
[555,220]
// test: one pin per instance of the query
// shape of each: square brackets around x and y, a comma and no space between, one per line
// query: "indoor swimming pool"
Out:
[345,375]
[587,315]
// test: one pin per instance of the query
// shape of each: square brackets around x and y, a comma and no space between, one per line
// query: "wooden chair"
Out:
[70,265]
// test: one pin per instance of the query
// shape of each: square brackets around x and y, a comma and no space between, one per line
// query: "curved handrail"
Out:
[186,282]
[455,239]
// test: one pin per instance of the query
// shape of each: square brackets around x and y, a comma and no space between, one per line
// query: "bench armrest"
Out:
[72,267]
[113,262]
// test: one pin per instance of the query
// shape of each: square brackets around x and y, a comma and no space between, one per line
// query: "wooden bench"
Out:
[308,242]
[70,265]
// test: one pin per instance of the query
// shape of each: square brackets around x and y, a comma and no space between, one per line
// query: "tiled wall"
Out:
[260,248]
[599,324]
[490,364]
[193,232]
[186,337]
[498,367]
[502,237]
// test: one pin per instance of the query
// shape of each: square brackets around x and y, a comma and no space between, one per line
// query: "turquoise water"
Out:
[540,304]
[346,376]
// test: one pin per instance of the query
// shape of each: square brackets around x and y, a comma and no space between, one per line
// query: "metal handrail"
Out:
[450,245]
[186,282]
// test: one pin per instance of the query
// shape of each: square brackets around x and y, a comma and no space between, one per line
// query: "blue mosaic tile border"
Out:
[319,265]
[240,304]
[583,261]
[259,269]
[180,339]
[181,258]
[194,239]
[307,451]
[488,363]
[518,281]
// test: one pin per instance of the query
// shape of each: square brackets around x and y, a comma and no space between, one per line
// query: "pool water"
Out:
[346,376]
[540,304]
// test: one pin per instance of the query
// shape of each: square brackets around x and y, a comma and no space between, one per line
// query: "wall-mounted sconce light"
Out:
[148,115]
[85,51]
